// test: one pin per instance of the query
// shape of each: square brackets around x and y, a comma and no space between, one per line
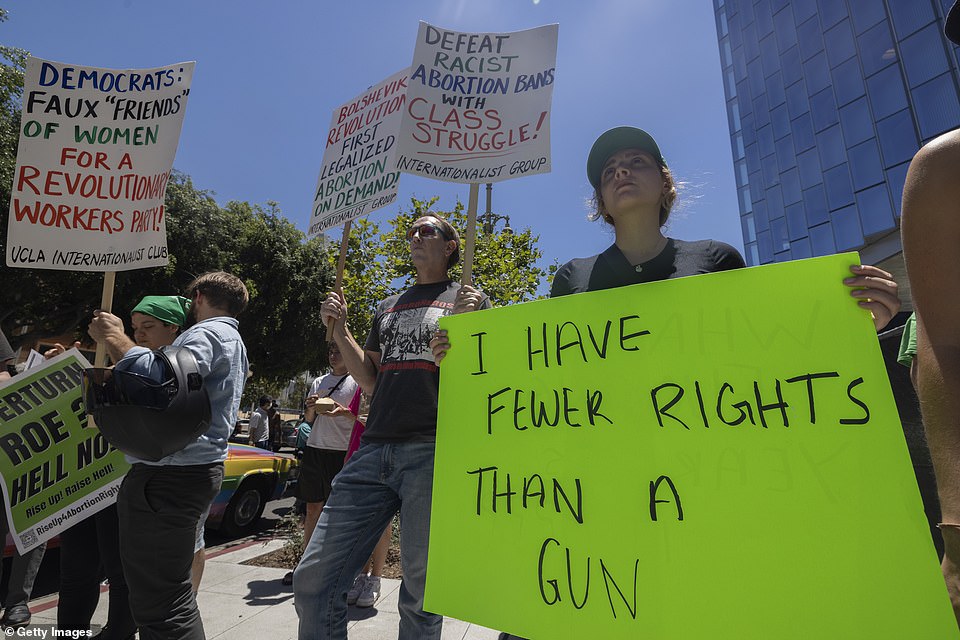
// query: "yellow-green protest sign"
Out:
[710,457]
[55,470]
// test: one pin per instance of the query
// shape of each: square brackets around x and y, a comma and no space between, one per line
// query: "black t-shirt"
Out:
[404,404]
[612,269]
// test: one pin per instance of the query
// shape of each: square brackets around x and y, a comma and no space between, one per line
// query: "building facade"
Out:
[828,100]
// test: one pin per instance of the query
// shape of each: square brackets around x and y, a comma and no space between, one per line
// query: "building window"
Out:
[784,27]
[796,221]
[749,230]
[753,256]
[774,86]
[846,229]
[800,248]
[797,102]
[923,55]
[790,66]
[910,15]
[838,186]
[823,108]
[803,10]
[765,141]
[815,204]
[876,212]
[821,237]
[780,121]
[865,164]
[786,155]
[831,147]
[839,43]
[867,14]
[938,109]
[808,167]
[832,12]
[764,247]
[898,140]
[790,186]
[803,136]
[876,48]
[887,93]
[847,82]
[816,72]
[856,122]
[778,233]
[809,38]
[769,55]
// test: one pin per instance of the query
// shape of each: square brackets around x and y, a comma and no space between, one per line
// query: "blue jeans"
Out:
[377,480]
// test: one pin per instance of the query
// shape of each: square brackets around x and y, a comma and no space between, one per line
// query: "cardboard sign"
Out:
[55,470]
[478,105]
[359,173]
[95,152]
[709,457]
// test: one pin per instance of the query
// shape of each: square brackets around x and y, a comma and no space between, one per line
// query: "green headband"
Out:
[169,309]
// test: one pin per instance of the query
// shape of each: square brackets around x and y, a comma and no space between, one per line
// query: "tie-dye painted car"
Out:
[251,478]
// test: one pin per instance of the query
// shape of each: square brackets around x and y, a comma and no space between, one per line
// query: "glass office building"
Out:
[828,100]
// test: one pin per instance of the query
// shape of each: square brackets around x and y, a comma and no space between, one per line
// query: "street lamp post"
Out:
[488,219]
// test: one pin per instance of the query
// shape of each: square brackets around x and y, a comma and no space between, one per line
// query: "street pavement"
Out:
[239,601]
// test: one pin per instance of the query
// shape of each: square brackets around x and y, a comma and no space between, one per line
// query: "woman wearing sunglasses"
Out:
[393,468]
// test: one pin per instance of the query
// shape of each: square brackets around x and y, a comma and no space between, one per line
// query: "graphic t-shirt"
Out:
[404,405]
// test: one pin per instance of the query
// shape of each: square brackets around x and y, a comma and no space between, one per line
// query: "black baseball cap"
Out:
[952,27]
[618,139]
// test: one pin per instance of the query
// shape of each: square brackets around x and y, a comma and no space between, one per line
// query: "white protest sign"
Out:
[359,175]
[478,105]
[95,153]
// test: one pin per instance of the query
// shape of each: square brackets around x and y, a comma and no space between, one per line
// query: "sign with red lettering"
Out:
[359,175]
[478,105]
[96,148]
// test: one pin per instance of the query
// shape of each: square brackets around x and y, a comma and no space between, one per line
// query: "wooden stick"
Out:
[467,277]
[341,263]
[106,304]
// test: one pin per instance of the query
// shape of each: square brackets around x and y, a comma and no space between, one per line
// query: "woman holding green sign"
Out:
[634,192]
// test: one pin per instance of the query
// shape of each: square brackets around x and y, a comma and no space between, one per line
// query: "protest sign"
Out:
[95,152]
[478,105]
[717,456]
[56,471]
[358,175]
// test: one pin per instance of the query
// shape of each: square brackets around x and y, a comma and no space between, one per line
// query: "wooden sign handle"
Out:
[467,277]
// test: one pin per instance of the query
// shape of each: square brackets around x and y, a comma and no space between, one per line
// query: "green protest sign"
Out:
[56,471]
[711,457]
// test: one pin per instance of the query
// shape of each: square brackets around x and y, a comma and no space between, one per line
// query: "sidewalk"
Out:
[240,601]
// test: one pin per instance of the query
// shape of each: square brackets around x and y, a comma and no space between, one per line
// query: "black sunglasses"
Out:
[425,230]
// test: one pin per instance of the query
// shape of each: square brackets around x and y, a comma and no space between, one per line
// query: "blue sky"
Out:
[269,75]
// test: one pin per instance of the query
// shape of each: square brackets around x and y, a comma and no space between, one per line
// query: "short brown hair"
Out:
[224,290]
[669,198]
[450,233]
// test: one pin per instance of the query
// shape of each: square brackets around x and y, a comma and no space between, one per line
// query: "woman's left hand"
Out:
[877,292]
